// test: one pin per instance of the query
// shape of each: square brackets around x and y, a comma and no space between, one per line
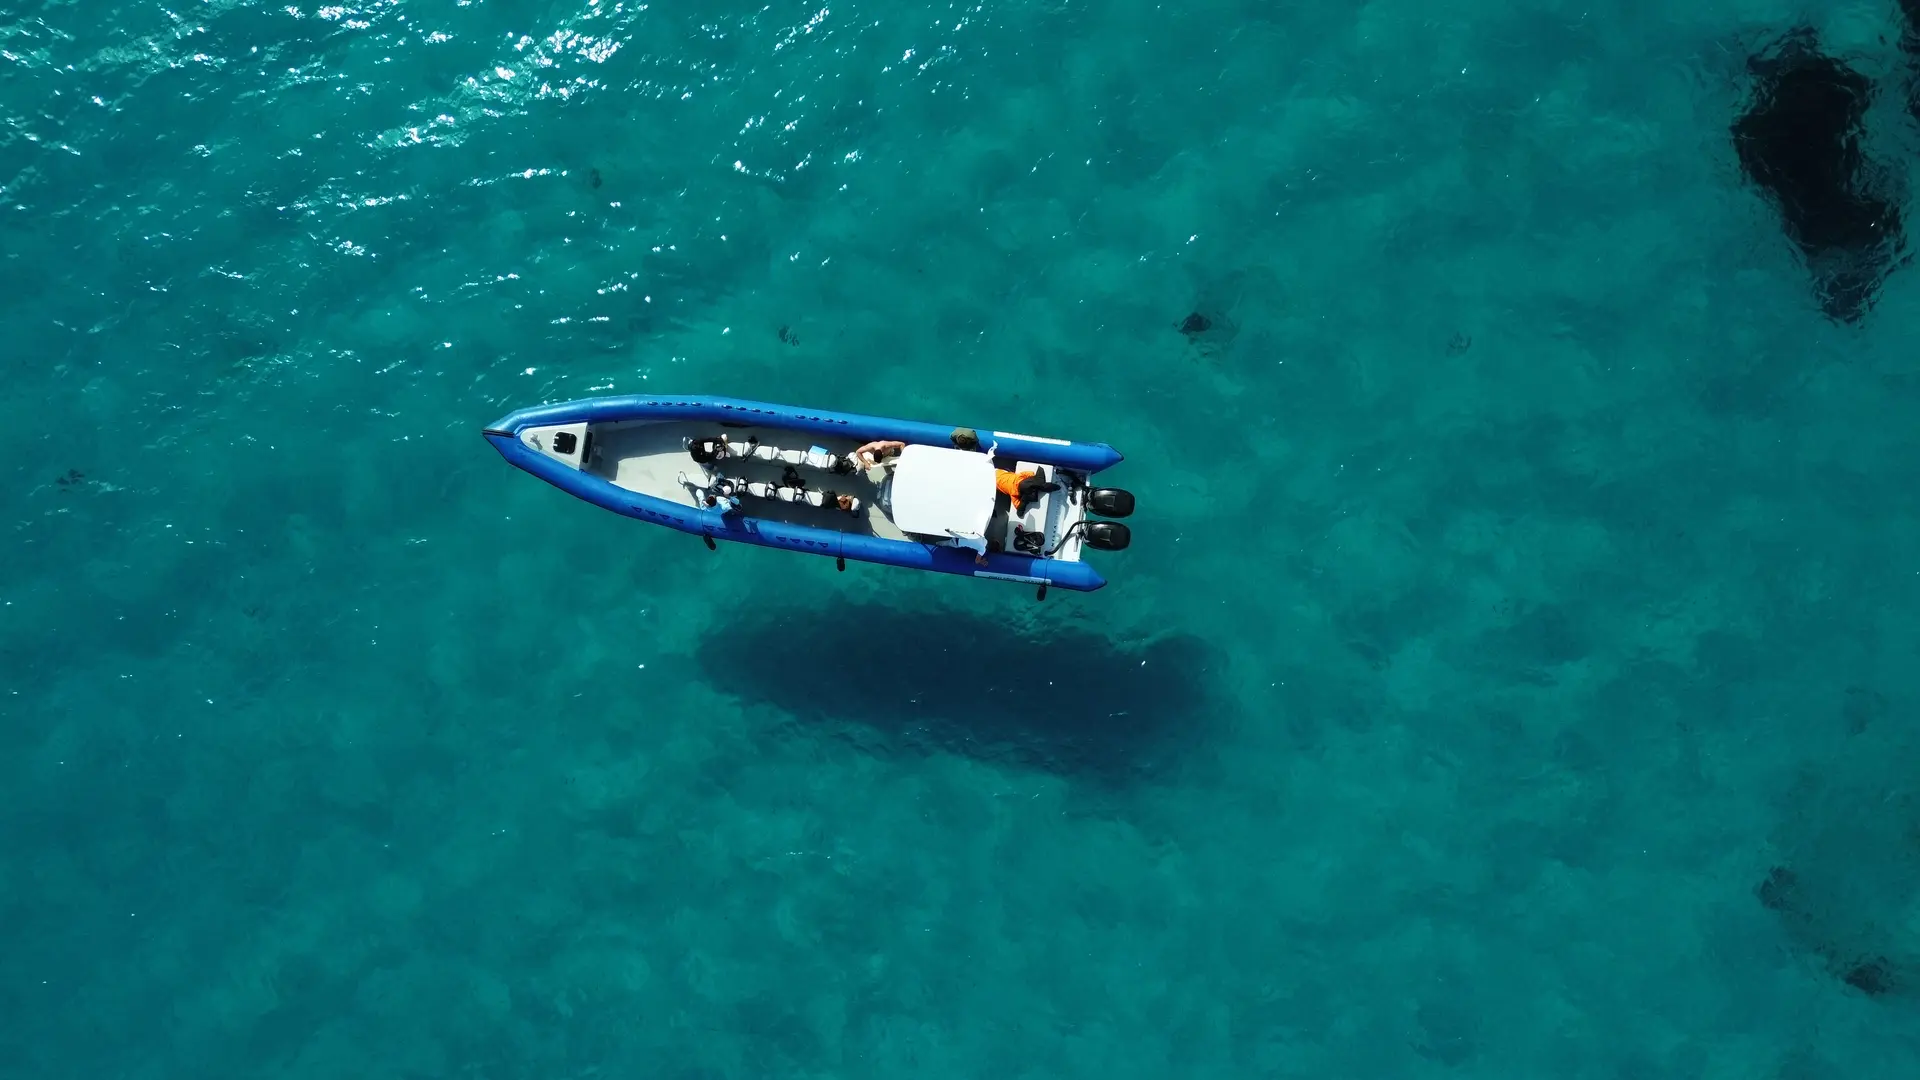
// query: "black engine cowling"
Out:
[1110,502]
[1107,535]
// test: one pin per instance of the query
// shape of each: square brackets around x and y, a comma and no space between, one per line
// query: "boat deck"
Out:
[649,456]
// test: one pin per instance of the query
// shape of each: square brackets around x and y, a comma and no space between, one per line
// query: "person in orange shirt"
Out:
[1022,487]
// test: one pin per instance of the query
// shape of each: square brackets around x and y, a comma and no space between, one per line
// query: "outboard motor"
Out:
[1107,535]
[1110,502]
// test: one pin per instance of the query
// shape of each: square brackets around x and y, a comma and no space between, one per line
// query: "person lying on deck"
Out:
[1022,487]
[877,451]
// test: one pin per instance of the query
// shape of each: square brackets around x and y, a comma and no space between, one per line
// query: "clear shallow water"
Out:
[1446,718]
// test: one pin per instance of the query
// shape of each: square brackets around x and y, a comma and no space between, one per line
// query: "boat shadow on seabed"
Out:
[1070,702]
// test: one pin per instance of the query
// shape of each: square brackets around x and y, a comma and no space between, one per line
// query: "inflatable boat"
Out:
[954,500]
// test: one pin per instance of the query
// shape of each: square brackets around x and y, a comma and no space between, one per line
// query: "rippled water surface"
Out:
[1513,674]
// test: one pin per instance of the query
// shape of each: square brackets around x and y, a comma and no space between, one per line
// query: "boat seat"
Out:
[814,457]
[809,496]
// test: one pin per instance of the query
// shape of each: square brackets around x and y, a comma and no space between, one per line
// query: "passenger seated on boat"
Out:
[878,451]
[709,450]
[721,493]
[965,438]
[1022,487]
[977,544]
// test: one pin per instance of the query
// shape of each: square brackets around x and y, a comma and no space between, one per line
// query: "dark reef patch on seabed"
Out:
[1799,141]
[1061,699]
[1848,874]
[1783,893]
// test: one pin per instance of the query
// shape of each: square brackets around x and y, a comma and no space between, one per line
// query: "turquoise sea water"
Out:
[1526,573]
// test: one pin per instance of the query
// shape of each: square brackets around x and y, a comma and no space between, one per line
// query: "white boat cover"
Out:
[942,492]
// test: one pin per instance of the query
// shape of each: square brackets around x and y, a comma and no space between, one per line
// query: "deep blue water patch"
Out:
[1054,697]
